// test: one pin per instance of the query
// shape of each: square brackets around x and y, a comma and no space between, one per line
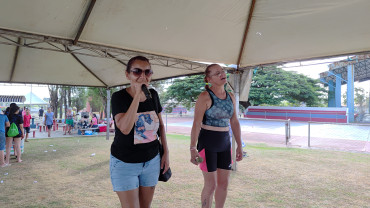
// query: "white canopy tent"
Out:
[58,42]
[88,42]
[32,99]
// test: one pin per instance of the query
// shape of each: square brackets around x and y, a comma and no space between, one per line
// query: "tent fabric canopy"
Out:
[88,42]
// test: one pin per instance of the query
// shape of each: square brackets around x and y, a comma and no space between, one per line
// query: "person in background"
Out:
[69,121]
[135,161]
[74,112]
[41,112]
[210,139]
[49,118]
[23,111]
[83,124]
[4,122]
[94,121]
[7,110]
[27,123]
[14,117]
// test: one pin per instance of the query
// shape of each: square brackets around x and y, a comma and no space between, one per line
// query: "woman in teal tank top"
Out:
[210,140]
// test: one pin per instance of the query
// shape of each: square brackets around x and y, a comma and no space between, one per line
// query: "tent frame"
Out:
[36,41]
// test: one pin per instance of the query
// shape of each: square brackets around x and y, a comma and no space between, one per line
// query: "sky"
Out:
[309,68]
[314,68]
[41,91]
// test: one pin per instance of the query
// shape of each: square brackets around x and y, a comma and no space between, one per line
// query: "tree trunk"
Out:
[69,95]
[65,102]
[62,98]
[53,92]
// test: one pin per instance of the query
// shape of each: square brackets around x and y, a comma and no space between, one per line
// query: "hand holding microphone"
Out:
[147,93]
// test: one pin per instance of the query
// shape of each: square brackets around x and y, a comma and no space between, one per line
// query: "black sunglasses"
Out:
[138,72]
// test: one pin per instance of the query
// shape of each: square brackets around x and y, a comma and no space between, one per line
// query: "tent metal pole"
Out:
[108,113]
[237,91]
[15,59]
[83,23]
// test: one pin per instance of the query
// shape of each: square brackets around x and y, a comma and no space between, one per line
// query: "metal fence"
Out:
[338,131]
[281,132]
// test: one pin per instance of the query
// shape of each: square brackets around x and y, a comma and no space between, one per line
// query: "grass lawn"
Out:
[270,177]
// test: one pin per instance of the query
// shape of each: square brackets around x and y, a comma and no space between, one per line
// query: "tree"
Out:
[159,87]
[54,100]
[78,98]
[360,97]
[99,98]
[184,91]
[270,86]
[360,100]
[273,85]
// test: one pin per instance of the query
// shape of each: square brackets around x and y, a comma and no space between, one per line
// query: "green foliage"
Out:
[98,97]
[360,97]
[79,97]
[271,86]
[159,87]
[274,86]
[184,91]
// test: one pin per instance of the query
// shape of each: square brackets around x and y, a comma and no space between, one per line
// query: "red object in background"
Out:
[102,128]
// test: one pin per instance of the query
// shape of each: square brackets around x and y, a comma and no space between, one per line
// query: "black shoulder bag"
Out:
[167,175]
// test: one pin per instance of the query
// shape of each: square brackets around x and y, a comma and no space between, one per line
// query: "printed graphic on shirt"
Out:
[146,126]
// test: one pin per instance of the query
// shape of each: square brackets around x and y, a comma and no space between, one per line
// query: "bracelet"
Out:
[193,148]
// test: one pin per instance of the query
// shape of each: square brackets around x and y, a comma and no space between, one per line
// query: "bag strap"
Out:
[155,101]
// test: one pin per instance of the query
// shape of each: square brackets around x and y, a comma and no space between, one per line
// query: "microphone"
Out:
[148,95]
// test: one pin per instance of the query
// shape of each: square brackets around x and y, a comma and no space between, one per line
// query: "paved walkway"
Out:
[59,133]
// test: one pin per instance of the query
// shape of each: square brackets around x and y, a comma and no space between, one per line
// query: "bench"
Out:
[42,126]
[91,129]
[83,130]
[62,125]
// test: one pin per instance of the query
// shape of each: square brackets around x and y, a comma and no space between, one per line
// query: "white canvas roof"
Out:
[48,42]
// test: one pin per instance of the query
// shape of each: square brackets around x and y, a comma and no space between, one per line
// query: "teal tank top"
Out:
[220,112]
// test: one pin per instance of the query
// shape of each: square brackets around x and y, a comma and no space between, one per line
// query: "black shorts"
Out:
[49,126]
[215,149]
[27,129]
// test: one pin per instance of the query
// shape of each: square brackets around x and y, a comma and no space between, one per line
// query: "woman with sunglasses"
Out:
[210,139]
[135,162]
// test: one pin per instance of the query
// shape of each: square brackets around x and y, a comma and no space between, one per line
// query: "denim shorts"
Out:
[129,176]
[2,141]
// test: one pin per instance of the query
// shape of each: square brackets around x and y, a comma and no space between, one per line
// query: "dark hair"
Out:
[94,115]
[7,110]
[132,60]
[13,109]
[206,73]
[86,116]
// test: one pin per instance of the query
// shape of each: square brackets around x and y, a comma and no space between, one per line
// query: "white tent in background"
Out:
[32,99]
